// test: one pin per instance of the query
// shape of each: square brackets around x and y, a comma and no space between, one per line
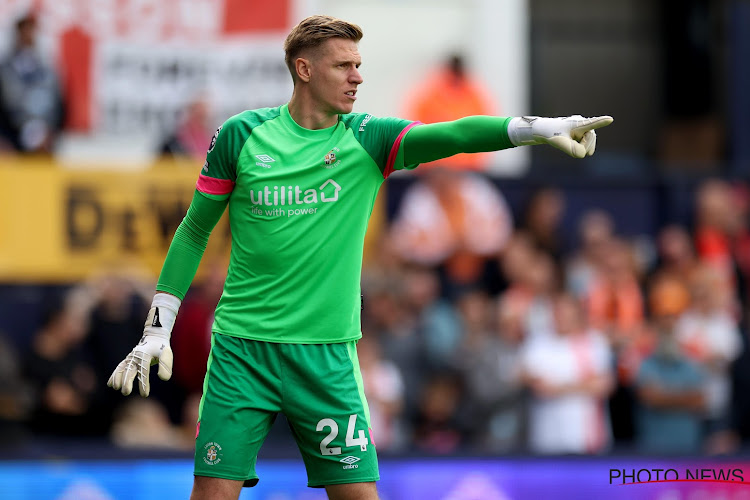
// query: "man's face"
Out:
[334,75]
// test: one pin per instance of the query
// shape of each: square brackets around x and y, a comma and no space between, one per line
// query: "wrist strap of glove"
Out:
[162,315]
[520,131]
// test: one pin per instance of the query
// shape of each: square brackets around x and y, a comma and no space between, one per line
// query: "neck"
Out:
[305,114]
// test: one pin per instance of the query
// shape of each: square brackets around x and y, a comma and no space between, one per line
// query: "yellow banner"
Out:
[62,225]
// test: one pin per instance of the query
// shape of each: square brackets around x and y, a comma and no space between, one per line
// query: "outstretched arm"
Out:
[473,134]
[574,135]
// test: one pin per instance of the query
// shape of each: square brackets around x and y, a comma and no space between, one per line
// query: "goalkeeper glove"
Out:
[153,348]
[573,135]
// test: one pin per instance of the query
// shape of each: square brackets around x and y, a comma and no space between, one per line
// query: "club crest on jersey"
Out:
[330,159]
[214,139]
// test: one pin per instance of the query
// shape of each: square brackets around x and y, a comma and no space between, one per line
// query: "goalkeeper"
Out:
[300,181]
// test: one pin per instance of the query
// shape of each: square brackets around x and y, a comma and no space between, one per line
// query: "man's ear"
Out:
[303,68]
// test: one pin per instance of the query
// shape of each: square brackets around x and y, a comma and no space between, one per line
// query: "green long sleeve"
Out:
[189,243]
[472,134]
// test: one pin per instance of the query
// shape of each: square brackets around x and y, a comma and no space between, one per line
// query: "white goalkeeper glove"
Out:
[573,135]
[153,348]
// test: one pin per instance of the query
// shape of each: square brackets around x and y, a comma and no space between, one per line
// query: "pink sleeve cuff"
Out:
[394,149]
[209,185]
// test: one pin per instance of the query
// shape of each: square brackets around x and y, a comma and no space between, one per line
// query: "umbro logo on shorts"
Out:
[350,462]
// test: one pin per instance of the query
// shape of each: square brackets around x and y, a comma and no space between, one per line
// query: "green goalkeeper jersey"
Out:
[299,203]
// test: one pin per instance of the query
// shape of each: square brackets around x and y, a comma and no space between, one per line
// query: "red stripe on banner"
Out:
[394,149]
[241,16]
[75,61]
[209,185]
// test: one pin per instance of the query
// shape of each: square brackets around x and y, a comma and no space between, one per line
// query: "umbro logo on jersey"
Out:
[350,462]
[264,160]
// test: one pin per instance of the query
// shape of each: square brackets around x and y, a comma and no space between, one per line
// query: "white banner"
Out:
[143,87]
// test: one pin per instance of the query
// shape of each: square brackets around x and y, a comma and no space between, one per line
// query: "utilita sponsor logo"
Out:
[646,476]
[274,196]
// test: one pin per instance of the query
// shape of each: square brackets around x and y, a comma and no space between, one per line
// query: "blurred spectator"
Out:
[384,389]
[451,219]
[532,292]
[596,231]
[615,302]
[570,375]
[16,397]
[615,307]
[710,336]
[516,258]
[63,382]
[542,219]
[437,321]
[676,255]
[454,220]
[669,384]
[437,428]
[491,366]
[388,320]
[193,133]
[31,106]
[719,227]
[448,94]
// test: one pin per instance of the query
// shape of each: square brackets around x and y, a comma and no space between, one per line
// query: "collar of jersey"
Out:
[322,133]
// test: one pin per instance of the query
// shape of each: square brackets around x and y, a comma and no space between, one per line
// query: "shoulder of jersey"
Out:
[254,117]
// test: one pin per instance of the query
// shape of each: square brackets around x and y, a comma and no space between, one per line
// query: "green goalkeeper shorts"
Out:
[317,386]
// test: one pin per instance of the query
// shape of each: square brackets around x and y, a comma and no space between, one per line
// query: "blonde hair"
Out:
[311,32]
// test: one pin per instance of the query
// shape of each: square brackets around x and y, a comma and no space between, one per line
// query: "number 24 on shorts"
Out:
[360,440]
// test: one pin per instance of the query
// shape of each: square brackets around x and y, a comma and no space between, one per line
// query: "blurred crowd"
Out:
[509,341]
[484,331]
[481,335]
